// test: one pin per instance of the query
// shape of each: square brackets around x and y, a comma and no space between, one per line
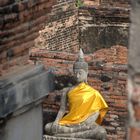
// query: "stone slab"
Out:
[24,89]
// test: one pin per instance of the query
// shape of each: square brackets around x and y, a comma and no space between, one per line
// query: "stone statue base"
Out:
[47,137]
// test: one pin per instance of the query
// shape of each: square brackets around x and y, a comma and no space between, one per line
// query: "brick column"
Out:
[20,22]
[134,74]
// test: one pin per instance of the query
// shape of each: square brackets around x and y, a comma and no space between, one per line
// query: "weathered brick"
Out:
[18,33]
[91,2]
[6,2]
[61,32]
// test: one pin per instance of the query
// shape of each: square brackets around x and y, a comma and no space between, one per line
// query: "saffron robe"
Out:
[83,102]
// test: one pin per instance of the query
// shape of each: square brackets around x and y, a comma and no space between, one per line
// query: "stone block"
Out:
[21,95]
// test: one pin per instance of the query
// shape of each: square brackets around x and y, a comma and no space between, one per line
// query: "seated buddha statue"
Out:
[86,109]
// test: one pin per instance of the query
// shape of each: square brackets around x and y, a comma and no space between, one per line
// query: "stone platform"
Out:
[47,137]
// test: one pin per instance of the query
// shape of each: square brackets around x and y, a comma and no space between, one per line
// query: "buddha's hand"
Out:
[54,128]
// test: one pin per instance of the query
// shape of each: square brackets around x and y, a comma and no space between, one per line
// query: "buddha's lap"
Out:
[73,128]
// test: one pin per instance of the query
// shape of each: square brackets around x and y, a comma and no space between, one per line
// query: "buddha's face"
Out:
[80,75]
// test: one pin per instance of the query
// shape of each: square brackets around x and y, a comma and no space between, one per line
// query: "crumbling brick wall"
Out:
[61,31]
[116,3]
[112,3]
[20,22]
[103,26]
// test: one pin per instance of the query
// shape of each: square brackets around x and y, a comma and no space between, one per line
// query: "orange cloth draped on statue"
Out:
[83,102]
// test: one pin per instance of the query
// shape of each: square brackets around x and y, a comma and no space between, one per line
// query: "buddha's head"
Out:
[80,68]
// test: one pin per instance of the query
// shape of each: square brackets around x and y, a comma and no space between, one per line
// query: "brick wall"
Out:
[20,22]
[91,26]
[113,3]
[116,3]
[103,26]
[107,73]
[61,31]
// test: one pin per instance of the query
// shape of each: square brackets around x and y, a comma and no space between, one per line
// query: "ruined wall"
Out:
[20,22]
[61,31]
[112,3]
[93,25]
[107,73]
[116,3]
[104,24]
